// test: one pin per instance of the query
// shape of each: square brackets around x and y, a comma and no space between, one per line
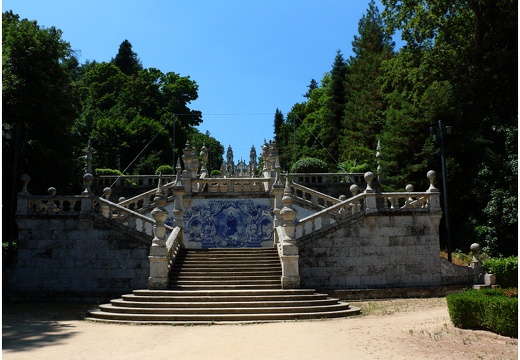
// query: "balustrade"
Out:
[327,178]
[312,197]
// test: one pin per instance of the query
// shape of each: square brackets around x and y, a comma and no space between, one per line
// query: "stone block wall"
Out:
[379,251]
[61,257]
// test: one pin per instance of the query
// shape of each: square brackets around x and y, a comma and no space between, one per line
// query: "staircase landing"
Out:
[222,286]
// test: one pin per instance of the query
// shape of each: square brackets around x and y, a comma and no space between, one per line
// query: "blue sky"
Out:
[248,57]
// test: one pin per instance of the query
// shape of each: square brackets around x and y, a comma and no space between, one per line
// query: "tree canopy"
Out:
[459,64]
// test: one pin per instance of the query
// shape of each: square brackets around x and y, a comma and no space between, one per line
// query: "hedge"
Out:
[309,165]
[505,269]
[164,170]
[101,171]
[488,309]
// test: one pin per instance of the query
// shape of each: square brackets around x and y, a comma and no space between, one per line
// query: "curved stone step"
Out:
[223,311]
[215,303]
[221,298]
[98,315]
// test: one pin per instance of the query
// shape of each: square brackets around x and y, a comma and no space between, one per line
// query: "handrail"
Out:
[56,205]
[173,244]
[327,178]
[126,217]
[312,197]
[395,202]
[230,185]
[144,200]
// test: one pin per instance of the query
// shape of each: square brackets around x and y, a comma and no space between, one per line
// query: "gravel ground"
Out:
[391,329]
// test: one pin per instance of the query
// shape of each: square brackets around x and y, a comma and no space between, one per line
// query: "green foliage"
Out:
[309,165]
[102,171]
[164,170]
[505,269]
[352,166]
[489,309]
[215,173]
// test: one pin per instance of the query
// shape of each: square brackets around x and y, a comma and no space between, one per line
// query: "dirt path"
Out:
[396,329]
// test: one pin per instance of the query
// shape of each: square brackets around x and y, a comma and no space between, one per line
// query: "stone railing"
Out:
[141,202]
[370,202]
[329,215]
[173,245]
[327,178]
[230,185]
[125,181]
[55,205]
[312,197]
[125,217]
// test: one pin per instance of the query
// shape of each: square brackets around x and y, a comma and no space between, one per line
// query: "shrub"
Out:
[505,269]
[489,309]
[100,172]
[309,165]
[165,170]
[215,173]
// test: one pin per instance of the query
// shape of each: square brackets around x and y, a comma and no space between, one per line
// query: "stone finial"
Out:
[178,169]
[475,250]
[277,168]
[87,181]
[204,157]
[107,192]
[51,191]
[369,177]
[354,189]
[409,188]
[25,180]
[431,175]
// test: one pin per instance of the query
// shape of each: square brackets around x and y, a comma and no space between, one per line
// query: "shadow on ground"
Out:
[33,325]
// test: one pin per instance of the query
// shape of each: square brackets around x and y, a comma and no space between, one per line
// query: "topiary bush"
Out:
[164,169]
[489,309]
[215,173]
[309,165]
[505,269]
[100,172]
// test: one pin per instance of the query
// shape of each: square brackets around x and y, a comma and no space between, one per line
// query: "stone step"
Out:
[224,286]
[99,315]
[222,292]
[226,272]
[227,303]
[309,308]
[225,277]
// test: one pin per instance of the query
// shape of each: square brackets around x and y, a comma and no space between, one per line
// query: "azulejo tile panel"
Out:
[231,223]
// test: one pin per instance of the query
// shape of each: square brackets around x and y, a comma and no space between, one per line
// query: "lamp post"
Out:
[446,130]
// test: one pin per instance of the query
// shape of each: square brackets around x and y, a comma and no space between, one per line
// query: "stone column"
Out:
[85,218]
[178,192]
[22,206]
[158,257]
[204,157]
[435,202]
[370,198]
[277,191]
[289,249]
[188,164]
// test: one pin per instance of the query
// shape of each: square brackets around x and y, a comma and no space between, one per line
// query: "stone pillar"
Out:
[85,218]
[105,209]
[158,256]
[476,264]
[435,202]
[22,206]
[265,154]
[51,205]
[370,198]
[178,192]
[188,164]
[277,191]
[204,157]
[289,249]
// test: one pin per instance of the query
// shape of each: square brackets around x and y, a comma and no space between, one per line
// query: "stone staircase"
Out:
[221,286]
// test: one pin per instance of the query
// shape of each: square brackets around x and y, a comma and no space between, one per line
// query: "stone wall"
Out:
[379,251]
[61,257]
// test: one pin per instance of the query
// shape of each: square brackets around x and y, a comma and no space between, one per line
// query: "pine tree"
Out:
[126,60]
